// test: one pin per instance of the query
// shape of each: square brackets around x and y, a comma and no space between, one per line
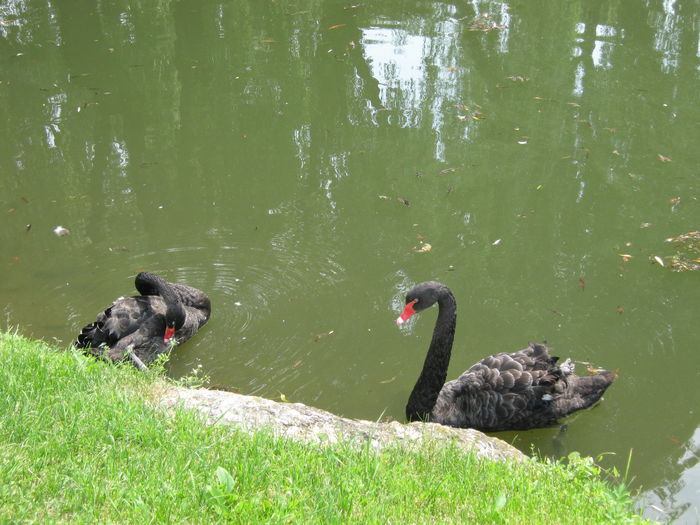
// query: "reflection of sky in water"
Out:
[602,49]
[672,495]
[667,35]
[601,55]
[413,69]
[397,60]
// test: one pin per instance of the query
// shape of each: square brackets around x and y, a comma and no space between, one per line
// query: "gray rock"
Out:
[300,422]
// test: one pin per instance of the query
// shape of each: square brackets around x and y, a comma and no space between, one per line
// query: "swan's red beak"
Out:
[407,313]
[169,333]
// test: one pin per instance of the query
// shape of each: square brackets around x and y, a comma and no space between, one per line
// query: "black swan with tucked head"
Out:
[145,326]
[517,391]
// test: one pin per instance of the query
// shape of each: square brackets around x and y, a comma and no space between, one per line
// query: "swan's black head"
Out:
[420,297]
[175,315]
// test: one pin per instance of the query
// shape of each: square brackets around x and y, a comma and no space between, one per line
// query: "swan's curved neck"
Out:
[175,311]
[432,377]
[150,284]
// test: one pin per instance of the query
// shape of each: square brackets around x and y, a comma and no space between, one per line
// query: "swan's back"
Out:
[123,318]
[517,391]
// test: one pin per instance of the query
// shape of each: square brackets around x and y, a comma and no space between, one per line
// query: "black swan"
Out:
[143,327]
[517,391]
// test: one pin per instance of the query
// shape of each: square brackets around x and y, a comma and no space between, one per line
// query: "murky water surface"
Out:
[305,163]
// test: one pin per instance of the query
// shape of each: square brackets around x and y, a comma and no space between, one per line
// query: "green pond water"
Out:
[306,163]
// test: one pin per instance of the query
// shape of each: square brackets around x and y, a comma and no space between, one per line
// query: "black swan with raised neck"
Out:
[144,326]
[516,391]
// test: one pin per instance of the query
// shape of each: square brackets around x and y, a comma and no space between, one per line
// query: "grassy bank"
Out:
[81,443]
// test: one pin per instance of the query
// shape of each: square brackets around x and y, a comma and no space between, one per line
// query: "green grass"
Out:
[80,442]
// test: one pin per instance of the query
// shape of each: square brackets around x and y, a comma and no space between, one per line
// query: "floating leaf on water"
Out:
[61,231]
[663,158]
[686,258]
[423,247]
[645,225]
[539,187]
[674,201]
[594,369]
[446,171]
[620,309]
[522,142]
[317,337]
[383,197]
[25,200]
[582,283]
[386,381]
[403,201]
[496,242]
[337,26]
[625,256]
[659,260]
[283,398]
[296,365]
[28,227]
[10,210]
[270,41]
[689,237]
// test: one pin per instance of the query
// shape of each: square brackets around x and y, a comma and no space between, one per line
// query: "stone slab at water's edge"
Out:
[304,423]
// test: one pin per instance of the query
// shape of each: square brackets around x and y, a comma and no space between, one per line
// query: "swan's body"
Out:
[517,391]
[145,326]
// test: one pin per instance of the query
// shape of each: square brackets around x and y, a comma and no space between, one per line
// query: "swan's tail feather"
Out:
[583,391]
[86,336]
